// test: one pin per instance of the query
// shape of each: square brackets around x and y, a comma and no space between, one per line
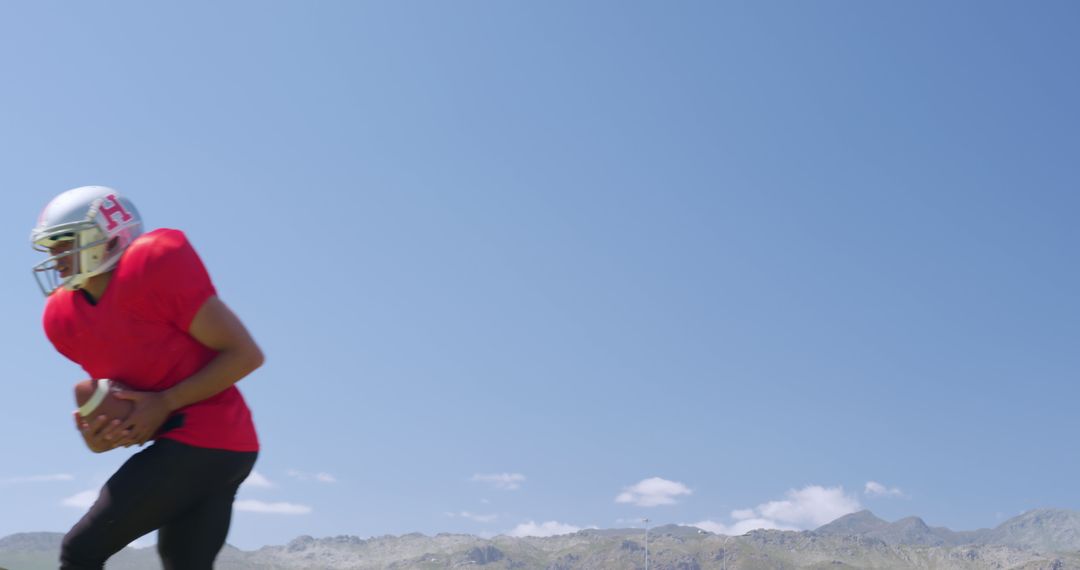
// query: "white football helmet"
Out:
[101,224]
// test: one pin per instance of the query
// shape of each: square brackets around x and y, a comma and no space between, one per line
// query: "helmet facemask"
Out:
[88,256]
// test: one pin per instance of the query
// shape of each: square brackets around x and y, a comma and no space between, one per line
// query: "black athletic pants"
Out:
[184,492]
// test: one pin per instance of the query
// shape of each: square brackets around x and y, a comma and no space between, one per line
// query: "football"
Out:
[95,398]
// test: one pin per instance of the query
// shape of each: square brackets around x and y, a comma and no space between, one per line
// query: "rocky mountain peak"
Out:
[1045,529]
[861,522]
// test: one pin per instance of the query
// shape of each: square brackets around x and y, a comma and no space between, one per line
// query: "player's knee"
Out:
[78,552]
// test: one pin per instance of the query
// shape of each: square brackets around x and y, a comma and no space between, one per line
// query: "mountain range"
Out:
[1043,539]
[1048,530]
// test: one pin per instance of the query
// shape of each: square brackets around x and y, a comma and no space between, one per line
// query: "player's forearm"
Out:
[226,369]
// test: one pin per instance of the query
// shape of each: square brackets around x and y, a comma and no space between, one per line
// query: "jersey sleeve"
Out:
[176,281]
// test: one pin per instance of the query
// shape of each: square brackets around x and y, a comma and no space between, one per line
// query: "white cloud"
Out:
[253,506]
[320,477]
[810,507]
[802,509]
[37,479]
[474,516]
[875,489]
[653,492]
[507,481]
[256,480]
[739,528]
[549,528]
[742,514]
[145,541]
[83,500]
[711,526]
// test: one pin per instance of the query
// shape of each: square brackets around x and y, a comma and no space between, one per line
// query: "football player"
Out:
[139,308]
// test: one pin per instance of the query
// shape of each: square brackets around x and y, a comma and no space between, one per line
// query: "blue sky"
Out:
[535,267]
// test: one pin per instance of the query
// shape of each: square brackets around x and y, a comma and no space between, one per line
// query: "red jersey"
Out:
[137,334]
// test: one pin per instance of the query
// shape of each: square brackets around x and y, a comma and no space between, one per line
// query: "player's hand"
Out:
[93,431]
[149,412]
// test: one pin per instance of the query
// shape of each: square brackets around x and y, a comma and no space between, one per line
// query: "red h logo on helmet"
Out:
[110,211]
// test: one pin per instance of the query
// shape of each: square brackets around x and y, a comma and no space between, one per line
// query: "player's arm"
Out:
[216,327]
